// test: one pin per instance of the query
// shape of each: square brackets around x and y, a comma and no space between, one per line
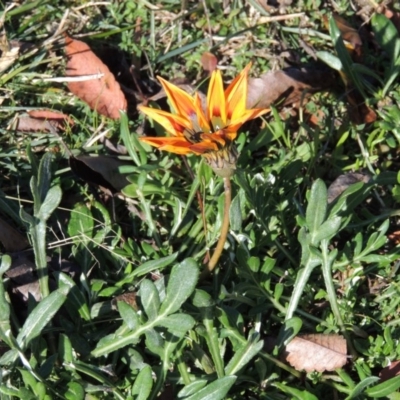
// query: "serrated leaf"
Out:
[216,390]
[181,285]
[150,299]
[40,317]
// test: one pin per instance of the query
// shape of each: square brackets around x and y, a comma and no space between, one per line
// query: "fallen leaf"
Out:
[129,298]
[101,170]
[358,111]
[102,94]
[43,120]
[287,87]
[208,61]
[11,239]
[342,182]
[390,371]
[316,352]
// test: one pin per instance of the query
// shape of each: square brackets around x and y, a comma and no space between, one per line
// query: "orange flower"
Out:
[208,132]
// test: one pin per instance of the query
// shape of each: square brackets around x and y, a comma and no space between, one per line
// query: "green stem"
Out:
[330,290]
[224,231]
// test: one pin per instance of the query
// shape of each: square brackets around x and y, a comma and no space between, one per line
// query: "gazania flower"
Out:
[208,131]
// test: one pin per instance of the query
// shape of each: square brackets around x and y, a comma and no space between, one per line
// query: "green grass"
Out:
[292,263]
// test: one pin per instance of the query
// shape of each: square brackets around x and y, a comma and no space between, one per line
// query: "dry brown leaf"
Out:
[342,182]
[287,86]
[390,371]
[208,61]
[316,352]
[128,298]
[11,239]
[43,120]
[102,94]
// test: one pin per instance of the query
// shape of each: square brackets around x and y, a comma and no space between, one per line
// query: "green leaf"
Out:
[5,327]
[296,394]
[235,214]
[81,224]
[40,317]
[386,35]
[244,355]
[128,314]
[328,229]
[150,299]
[50,203]
[181,285]
[75,391]
[177,324]
[384,388]
[192,388]
[360,387]
[75,298]
[153,265]
[289,330]
[143,384]
[216,390]
[316,209]
[330,60]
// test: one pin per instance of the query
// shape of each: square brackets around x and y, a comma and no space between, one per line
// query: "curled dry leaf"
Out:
[316,352]
[287,87]
[342,182]
[102,94]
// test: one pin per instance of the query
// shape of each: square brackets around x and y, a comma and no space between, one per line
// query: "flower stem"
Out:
[224,231]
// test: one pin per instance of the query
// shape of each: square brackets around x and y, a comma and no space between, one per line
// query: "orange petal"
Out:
[181,101]
[171,144]
[235,124]
[216,101]
[203,147]
[201,117]
[214,137]
[236,94]
[173,124]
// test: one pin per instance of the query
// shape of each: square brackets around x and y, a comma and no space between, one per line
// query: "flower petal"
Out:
[171,144]
[203,147]
[236,94]
[172,123]
[246,116]
[181,101]
[216,101]
[201,116]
